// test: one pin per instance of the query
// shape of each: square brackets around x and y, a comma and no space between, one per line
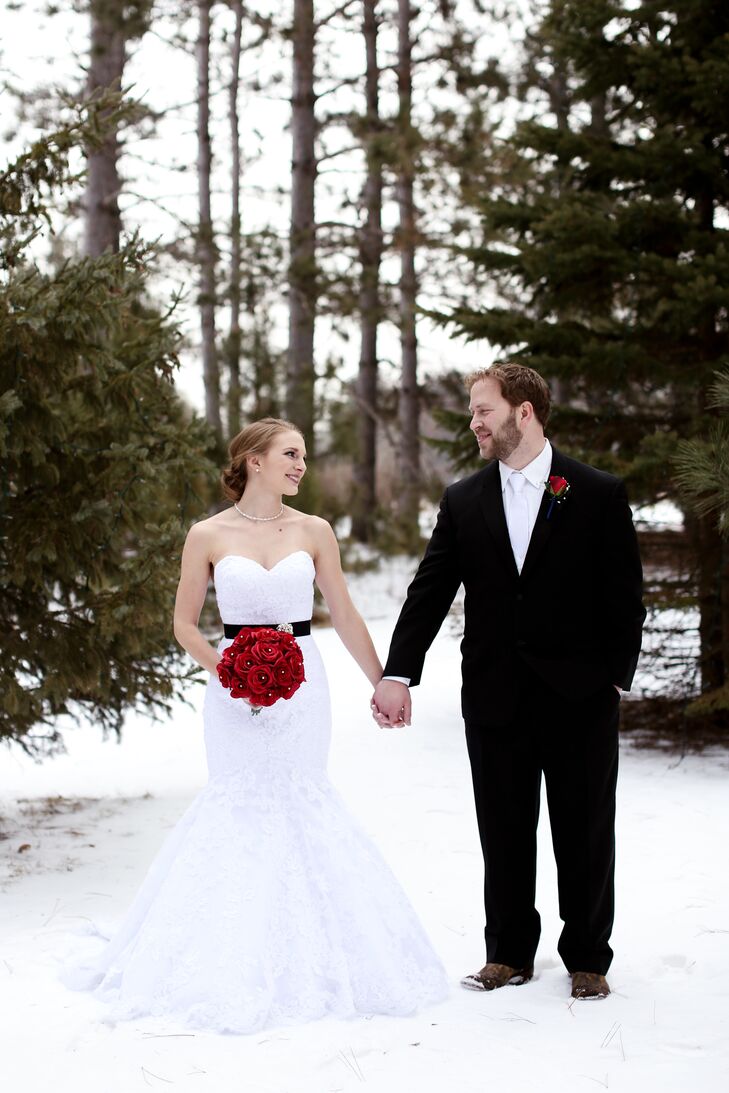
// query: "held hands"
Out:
[391,706]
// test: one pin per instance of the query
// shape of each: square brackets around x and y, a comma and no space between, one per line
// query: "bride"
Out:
[267,904]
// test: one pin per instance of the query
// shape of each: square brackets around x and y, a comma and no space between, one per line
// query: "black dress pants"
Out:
[575,746]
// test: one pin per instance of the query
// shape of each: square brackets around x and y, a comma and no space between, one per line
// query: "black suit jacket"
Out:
[574,614]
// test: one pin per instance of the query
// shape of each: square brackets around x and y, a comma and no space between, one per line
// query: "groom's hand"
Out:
[391,705]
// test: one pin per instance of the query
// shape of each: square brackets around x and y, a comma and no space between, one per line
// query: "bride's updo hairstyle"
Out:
[255,439]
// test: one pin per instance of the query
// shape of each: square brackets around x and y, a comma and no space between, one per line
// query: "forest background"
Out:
[215,211]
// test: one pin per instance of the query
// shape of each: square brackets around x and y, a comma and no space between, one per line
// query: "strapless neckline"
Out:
[253,561]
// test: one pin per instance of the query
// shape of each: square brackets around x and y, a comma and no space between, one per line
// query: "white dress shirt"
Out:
[535,475]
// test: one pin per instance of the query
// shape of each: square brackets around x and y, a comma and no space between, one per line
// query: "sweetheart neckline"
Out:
[260,565]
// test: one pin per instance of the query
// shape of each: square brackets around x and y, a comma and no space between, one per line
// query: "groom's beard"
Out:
[506,439]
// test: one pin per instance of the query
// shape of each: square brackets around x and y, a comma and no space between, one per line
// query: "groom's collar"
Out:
[536,472]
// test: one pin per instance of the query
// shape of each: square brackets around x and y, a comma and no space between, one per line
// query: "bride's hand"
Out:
[391,704]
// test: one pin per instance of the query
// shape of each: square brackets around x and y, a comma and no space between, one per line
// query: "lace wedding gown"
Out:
[267,904]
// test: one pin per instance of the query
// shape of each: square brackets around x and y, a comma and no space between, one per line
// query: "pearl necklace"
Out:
[259,519]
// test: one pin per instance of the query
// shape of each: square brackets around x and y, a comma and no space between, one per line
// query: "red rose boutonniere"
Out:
[556,489]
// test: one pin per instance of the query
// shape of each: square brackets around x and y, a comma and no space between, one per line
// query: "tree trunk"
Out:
[711,550]
[302,269]
[106,69]
[409,410]
[598,116]
[557,88]
[712,553]
[723,608]
[370,254]
[205,237]
[233,346]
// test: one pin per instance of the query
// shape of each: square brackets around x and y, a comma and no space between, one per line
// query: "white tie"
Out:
[518,522]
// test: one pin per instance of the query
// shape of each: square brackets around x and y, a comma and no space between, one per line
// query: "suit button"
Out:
[521,644]
[519,597]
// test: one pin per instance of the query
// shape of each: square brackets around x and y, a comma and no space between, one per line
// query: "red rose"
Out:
[224,673]
[296,666]
[282,673]
[243,664]
[267,698]
[265,651]
[558,484]
[259,679]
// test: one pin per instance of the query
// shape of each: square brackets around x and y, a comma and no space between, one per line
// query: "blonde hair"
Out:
[255,439]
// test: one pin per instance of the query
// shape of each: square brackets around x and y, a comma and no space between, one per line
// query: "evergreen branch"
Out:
[703,473]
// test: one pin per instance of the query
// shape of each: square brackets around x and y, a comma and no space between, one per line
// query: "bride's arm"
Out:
[346,619]
[194,577]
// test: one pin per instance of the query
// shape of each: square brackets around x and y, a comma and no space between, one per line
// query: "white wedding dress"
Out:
[267,904]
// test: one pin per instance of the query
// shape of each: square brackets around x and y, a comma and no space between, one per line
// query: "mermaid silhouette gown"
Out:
[267,904]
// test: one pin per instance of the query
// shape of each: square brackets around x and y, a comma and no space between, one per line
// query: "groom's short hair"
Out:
[518,384]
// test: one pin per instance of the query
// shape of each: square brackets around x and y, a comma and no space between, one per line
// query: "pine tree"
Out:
[703,462]
[609,246]
[703,478]
[100,463]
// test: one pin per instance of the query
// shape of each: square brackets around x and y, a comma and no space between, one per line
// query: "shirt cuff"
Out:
[399,679]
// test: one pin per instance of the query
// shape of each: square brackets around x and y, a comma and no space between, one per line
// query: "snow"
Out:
[92,820]
[658,516]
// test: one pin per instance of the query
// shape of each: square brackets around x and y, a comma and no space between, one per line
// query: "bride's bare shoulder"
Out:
[305,520]
[312,529]
[208,528]
[318,531]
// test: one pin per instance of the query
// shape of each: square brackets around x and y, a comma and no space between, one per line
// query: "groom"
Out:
[546,550]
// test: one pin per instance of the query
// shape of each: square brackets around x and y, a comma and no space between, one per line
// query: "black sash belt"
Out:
[299,629]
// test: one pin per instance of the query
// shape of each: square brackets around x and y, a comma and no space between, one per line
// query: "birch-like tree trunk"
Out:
[409,409]
[206,254]
[233,344]
[302,236]
[102,227]
[370,254]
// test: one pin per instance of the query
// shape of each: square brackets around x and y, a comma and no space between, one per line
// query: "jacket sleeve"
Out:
[624,610]
[428,600]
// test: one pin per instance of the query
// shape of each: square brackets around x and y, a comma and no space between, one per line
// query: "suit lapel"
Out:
[544,528]
[492,507]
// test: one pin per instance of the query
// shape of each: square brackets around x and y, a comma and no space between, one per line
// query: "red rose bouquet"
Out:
[262,665]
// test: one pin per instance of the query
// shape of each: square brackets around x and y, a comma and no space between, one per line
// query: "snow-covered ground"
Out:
[81,830]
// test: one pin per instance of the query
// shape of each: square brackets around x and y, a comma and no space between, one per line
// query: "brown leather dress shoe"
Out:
[589,985]
[492,976]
